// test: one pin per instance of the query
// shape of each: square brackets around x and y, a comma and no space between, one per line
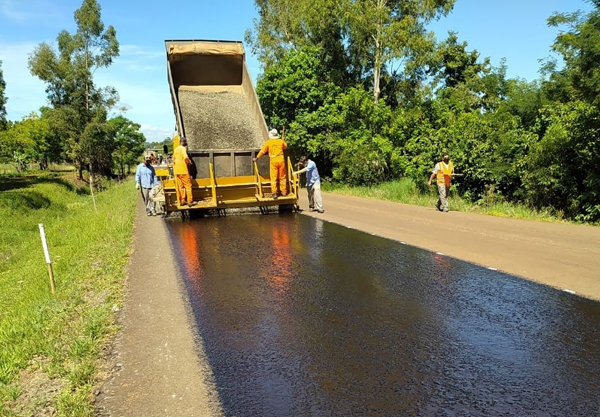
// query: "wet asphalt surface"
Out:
[300,317]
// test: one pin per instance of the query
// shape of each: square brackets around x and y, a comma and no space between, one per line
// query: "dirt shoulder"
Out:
[159,366]
[564,256]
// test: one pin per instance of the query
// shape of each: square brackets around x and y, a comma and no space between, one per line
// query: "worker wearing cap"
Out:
[443,171]
[275,147]
[183,180]
[145,180]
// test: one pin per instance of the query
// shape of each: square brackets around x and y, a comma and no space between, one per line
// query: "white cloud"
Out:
[134,66]
[31,11]
[10,10]
[140,51]
[136,58]
[156,134]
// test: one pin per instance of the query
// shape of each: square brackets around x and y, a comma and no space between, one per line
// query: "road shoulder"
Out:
[160,368]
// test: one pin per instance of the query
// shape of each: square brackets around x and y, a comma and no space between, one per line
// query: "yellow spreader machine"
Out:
[217,111]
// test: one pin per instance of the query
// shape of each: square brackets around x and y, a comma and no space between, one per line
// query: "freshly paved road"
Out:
[303,317]
[565,256]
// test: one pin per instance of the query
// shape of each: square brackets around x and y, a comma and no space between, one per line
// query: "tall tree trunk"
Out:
[377,71]
[376,77]
[378,37]
[80,166]
[87,88]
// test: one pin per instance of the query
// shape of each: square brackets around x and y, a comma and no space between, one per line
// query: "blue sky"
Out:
[515,30]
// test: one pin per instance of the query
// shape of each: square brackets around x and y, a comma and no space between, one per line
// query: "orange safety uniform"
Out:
[444,173]
[183,181]
[275,148]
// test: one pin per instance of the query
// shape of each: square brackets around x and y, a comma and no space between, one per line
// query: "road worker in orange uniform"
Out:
[443,171]
[183,181]
[275,147]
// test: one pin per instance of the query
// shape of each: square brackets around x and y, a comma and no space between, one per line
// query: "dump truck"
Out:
[217,111]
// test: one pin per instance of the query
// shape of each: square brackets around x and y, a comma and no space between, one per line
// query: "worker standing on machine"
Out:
[183,181]
[275,147]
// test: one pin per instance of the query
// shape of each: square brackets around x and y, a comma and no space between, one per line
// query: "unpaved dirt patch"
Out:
[37,394]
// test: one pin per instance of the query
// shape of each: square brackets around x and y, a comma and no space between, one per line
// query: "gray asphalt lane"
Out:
[303,317]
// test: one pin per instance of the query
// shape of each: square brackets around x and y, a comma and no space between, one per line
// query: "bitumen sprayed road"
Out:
[302,317]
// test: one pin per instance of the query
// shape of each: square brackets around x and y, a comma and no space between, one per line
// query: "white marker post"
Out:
[47,255]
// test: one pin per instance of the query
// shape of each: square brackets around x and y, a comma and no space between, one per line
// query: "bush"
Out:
[562,169]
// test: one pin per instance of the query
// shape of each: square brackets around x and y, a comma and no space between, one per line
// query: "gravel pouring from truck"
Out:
[217,110]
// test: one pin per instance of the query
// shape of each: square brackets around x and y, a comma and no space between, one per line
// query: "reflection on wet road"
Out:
[302,317]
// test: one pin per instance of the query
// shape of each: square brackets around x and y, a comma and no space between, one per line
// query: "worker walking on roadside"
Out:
[275,147]
[183,180]
[313,184]
[145,180]
[443,171]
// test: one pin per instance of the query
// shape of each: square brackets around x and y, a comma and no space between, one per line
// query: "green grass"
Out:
[50,344]
[405,191]
[33,169]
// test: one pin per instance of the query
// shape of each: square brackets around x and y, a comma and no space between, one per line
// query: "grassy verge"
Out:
[405,191]
[50,344]
[33,168]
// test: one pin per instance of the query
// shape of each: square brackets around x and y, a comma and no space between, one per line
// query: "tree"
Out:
[27,141]
[382,31]
[97,142]
[525,99]
[454,65]
[291,92]
[297,84]
[357,39]
[38,131]
[129,141]
[69,77]
[561,168]
[290,25]
[14,143]
[470,83]
[3,122]
[579,47]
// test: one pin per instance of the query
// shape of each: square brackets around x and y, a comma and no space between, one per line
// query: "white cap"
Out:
[273,134]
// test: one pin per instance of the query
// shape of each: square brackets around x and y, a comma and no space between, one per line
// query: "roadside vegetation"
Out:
[50,343]
[371,95]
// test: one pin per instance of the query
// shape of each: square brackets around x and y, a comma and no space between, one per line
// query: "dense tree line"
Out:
[373,96]
[75,127]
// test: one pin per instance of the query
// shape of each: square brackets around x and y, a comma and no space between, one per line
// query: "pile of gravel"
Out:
[219,120]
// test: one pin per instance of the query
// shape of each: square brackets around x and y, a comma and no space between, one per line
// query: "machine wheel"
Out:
[286,208]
